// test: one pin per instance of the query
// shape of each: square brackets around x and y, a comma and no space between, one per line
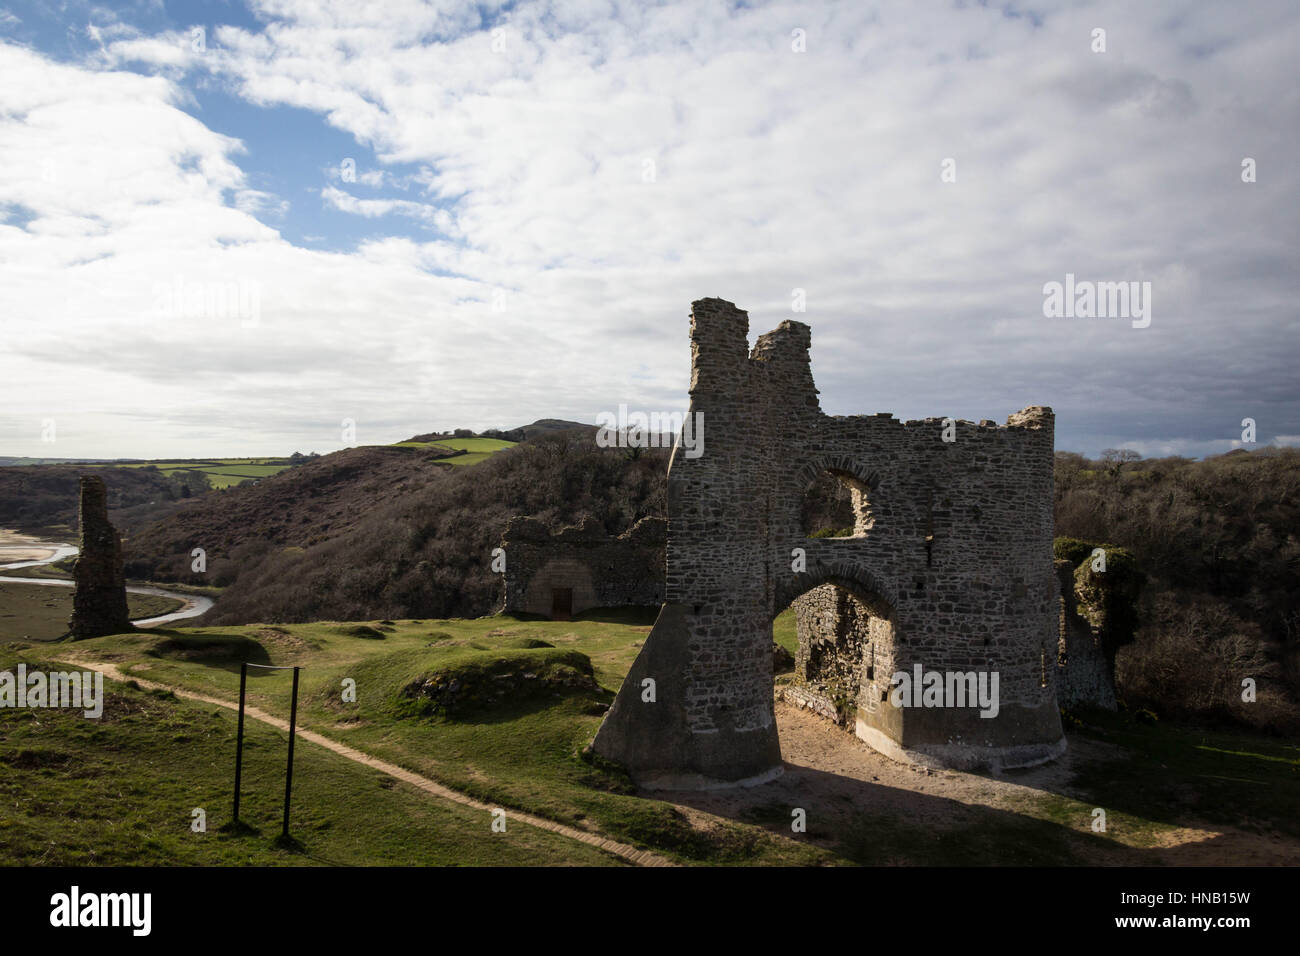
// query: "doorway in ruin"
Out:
[844,629]
[844,656]
[561,604]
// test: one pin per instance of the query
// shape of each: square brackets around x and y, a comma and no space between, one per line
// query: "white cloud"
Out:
[256,202]
[373,208]
[770,170]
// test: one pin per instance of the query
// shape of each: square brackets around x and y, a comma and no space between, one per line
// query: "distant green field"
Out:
[477,449]
[221,472]
[226,472]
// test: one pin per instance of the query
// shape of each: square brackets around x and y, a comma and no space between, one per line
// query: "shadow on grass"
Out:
[1163,777]
[1177,774]
[225,651]
[630,616]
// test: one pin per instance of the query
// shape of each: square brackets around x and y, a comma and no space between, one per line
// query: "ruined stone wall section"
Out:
[1083,673]
[603,571]
[960,539]
[99,598]
[836,633]
[980,593]
[954,549]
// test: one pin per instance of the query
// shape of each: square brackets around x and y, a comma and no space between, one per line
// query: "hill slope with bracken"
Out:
[424,549]
[297,508]
[44,497]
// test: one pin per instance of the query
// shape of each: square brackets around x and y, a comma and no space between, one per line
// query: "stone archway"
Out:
[960,548]
[845,652]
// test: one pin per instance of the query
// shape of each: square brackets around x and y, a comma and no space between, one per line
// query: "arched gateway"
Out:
[951,556]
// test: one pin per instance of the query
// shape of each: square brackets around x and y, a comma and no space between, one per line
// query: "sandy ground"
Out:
[831,773]
[24,554]
[22,547]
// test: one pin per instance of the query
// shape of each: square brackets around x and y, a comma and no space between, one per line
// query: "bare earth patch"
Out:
[837,777]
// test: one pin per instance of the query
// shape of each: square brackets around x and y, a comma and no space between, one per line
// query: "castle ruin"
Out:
[99,598]
[949,569]
[559,574]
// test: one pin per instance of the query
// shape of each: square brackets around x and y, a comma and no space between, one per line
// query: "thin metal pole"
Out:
[288,777]
[239,736]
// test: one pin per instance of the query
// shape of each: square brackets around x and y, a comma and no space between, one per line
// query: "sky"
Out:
[233,228]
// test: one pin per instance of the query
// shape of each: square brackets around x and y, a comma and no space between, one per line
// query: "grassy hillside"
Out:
[219,472]
[530,695]
[519,749]
[121,791]
[475,449]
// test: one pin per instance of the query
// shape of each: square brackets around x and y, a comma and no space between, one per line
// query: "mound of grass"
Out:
[211,649]
[487,680]
[528,643]
[363,631]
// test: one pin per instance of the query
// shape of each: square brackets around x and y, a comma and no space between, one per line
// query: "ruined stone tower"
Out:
[949,568]
[99,601]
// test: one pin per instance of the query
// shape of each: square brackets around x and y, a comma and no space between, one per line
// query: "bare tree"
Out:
[1116,458]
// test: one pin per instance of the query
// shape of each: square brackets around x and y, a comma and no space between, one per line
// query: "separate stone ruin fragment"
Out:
[99,600]
[559,574]
[949,569]
[1085,675]
[1098,616]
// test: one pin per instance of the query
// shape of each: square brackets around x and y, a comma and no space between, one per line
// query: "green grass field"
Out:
[121,791]
[522,754]
[221,472]
[477,449]
[227,472]
[501,709]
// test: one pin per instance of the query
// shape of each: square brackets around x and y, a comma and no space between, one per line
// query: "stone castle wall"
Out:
[952,547]
[843,644]
[603,571]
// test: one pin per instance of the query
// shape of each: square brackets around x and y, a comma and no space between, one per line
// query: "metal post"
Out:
[288,777]
[239,737]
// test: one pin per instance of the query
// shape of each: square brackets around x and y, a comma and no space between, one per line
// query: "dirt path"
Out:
[629,853]
[843,777]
